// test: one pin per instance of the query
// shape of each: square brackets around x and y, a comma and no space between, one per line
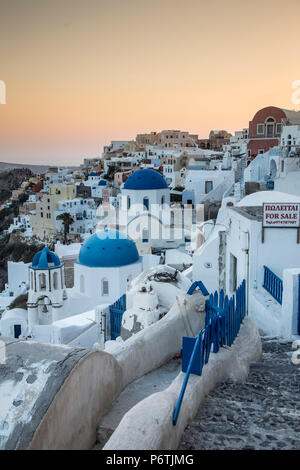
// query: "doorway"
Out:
[17,331]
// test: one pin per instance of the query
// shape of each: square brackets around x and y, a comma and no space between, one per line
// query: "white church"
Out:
[107,262]
[145,213]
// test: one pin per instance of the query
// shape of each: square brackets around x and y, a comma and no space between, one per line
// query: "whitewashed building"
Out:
[267,258]
[106,263]
[83,211]
[145,214]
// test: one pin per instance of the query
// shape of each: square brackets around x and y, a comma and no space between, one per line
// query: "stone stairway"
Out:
[262,413]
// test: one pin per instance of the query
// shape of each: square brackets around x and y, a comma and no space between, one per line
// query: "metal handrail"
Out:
[273,284]
[186,378]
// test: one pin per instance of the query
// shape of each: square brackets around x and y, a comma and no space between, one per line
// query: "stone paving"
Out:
[262,413]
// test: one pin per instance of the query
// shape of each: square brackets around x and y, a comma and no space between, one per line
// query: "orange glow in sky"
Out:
[81,73]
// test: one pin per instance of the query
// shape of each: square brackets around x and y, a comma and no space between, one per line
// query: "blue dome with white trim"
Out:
[102,183]
[45,259]
[145,179]
[108,249]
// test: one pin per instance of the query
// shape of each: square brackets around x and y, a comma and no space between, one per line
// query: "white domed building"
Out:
[146,187]
[145,213]
[107,261]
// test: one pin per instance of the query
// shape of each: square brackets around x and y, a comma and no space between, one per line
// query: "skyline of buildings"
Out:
[77,78]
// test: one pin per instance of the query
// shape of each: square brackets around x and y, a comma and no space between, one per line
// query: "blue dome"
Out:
[45,259]
[93,173]
[102,183]
[108,249]
[145,179]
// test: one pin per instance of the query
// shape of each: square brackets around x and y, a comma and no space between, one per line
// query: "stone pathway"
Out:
[262,413]
[155,381]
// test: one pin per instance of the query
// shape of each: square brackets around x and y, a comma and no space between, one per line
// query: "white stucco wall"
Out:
[116,277]
[206,261]
[195,181]
[261,165]
[17,273]
[289,183]
[137,196]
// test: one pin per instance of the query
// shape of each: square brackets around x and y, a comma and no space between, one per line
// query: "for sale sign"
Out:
[281,214]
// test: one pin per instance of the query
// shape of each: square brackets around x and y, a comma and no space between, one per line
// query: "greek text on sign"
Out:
[281,214]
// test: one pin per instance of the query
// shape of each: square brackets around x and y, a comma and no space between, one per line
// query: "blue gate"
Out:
[224,317]
[116,313]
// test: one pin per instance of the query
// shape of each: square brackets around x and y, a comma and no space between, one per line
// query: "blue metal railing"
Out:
[222,323]
[273,284]
[116,313]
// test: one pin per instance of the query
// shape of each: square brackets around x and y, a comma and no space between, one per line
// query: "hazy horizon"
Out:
[80,74]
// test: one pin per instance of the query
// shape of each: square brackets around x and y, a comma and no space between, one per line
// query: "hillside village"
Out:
[118,260]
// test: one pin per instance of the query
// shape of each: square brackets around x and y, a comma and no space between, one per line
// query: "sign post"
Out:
[281,215]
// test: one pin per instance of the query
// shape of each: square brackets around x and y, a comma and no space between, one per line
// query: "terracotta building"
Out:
[168,139]
[218,138]
[265,128]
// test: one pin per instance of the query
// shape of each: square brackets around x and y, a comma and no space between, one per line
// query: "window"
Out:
[172,218]
[278,129]
[146,203]
[55,281]
[208,186]
[261,151]
[145,238]
[260,128]
[42,281]
[105,287]
[282,165]
[270,130]
[128,202]
[233,273]
[163,200]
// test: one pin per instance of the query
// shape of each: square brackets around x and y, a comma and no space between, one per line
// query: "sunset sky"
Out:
[81,73]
